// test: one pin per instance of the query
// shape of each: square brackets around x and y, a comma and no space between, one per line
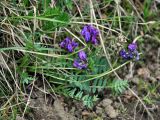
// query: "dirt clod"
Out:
[135,80]
[20,118]
[85,113]
[143,72]
[111,112]
[99,110]
[158,77]
[106,102]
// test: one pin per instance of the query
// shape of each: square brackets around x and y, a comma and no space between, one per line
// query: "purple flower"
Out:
[82,55]
[84,30]
[123,54]
[62,44]
[131,53]
[70,47]
[68,44]
[90,34]
[80,64]
[132,47]
[136,54]
[86,33]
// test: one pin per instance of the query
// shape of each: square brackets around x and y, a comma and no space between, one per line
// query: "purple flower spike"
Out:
[84,30]
[132,47]
[79,64]
[131,53]
[82,55]
[90,34]
[68,44]
[85,33]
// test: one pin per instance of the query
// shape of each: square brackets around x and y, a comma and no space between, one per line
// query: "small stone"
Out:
[20,118]
[158,77]
[106,102]
[117,104]
[99,110]
[157,72]
[111,112]
[158,1]
[85,113]
[143,72]
[152,79]
[128,95]
[135,80]
[128,77]
[99,104]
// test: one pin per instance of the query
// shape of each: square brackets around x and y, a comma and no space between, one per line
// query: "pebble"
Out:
[99,110]
[20,118]
[152,79]
[111,112]
[106,102]
[143,72]
[135,80]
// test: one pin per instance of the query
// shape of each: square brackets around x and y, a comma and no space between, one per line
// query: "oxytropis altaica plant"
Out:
[83,86]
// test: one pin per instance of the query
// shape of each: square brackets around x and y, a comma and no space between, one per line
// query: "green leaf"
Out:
[118,86]
[45,4]
[72,92]
[28,80]
[79,95]
[69,4]
[26,3]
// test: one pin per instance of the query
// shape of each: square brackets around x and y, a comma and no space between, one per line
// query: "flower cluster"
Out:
[81,62]
[90,34]
[68,44]
[131,53]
